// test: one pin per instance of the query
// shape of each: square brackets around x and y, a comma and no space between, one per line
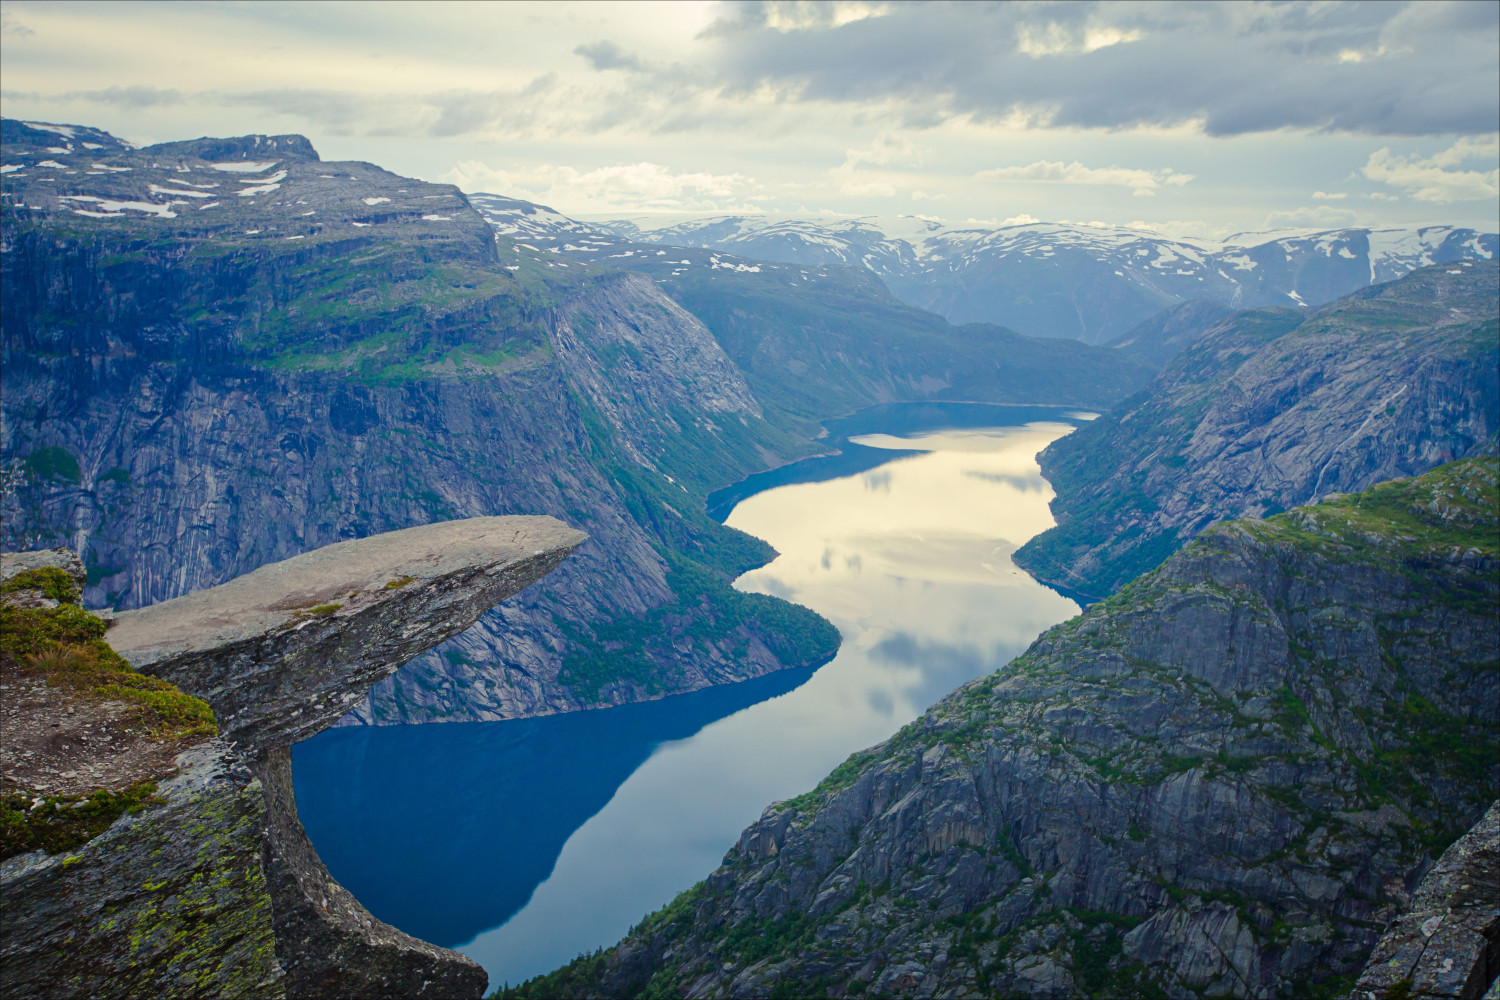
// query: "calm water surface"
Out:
[524,843]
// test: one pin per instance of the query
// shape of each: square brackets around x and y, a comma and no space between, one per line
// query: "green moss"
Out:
[52,582]
[320,610]
[53,463]
[398,583]
[63,822]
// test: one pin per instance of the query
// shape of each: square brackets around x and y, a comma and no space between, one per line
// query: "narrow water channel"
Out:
[524,843]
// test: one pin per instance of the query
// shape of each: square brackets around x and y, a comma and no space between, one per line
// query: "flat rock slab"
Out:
[282,652]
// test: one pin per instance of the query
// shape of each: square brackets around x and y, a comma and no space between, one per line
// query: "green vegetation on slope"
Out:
[66,645]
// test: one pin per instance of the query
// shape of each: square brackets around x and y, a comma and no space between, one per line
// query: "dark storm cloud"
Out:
[1375,68]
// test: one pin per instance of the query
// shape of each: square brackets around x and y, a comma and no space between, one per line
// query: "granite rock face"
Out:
[281,653]
[1271,409]
[1447,943]
[214,889]
[1223,781]
[313,352]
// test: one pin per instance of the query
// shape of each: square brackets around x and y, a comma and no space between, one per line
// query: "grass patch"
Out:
[63,822]
[66,645]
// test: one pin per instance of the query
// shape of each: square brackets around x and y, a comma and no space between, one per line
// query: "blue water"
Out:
[524,843]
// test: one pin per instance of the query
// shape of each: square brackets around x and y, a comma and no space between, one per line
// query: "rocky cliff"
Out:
[1275,408]
[1222,781]
[224,352]
[209,886]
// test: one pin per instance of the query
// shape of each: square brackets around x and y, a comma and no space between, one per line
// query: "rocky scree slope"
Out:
[1273,408]
[209,886]
[1222,781]
[1047,279]
[221,353]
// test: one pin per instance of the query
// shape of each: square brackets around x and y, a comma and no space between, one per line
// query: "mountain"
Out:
[1273,408]
[1158,339]
[224,352]
[1223,781]
[1087,282]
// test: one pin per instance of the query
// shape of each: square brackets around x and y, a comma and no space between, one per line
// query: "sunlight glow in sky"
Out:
[1185,117]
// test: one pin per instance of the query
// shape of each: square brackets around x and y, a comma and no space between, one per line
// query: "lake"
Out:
[524,843]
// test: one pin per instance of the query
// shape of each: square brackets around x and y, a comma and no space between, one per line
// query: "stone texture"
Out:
[215,890]
[281,653]
[1221,782]
[1447,942]
[1272,409]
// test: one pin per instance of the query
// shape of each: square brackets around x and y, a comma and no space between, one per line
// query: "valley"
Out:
[1082,611]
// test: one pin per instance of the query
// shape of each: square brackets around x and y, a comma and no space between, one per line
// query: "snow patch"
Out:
[438,218]
[244,167]
[53,164]
[375,201]
[106,168]
[160,211]
[66,131]
[362,225]
[212,204]
[9,168]
[158,189]
[92,145]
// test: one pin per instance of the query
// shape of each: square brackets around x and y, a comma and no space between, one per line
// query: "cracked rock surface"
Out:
[213,889]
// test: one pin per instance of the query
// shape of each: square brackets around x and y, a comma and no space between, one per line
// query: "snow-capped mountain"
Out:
[1061,280]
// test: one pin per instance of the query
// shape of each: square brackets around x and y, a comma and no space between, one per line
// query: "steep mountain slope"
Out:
[822,340]
[1222,781]
[1160,338]
[1061,280]
[234,352]
[224,352]
[1275,408]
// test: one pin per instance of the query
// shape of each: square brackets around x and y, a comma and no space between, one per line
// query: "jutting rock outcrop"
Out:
[1223,781]
[1447,943]
[213,889]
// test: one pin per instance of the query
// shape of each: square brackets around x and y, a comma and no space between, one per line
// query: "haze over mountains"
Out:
[1090,282]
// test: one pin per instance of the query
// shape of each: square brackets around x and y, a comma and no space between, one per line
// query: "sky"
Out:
[1187,118]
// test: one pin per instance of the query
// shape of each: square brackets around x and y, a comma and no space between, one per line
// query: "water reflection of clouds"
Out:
[912,561]
[1026,484]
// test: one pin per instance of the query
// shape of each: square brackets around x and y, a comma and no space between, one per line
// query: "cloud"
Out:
[11,25]
[1312,215]
[1141,182]
[1421,68]
[607,55]
[632,187]
[1327,196]
[1439,179]
[886,150]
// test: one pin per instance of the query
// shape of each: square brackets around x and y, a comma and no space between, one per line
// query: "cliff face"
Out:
[333,351]
[224,352]
[1271,409]
[210,887]
[1222,781]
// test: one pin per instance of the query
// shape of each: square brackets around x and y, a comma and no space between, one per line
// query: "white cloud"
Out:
[1018,220]
[1311,215]
[1439,179]
[634,186]
[1052,38]
[887,149]
[1141,182]
[1182,228]
[1330,196]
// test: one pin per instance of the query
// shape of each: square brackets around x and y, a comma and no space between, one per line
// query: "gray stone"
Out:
[281,653]
[1447,942]
[216,889]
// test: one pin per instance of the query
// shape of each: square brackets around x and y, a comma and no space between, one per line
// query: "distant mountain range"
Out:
[1093,283]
